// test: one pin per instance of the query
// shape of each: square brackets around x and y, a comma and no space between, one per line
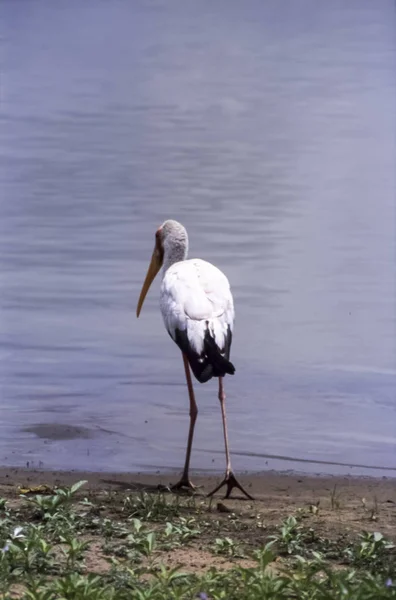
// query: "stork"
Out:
[198,311]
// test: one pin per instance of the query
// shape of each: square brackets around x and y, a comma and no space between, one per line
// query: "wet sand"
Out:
[277,489]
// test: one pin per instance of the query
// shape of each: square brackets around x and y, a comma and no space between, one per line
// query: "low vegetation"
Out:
[67,544]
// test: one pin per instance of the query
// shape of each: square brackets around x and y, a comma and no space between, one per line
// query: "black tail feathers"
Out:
[220,364]
[212,362]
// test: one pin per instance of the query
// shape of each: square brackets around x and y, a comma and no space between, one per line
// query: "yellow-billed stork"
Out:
[198,311]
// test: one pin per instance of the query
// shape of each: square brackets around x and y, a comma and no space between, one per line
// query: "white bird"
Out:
[198,312]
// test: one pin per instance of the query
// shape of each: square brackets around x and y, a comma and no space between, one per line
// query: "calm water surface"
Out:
[268,129]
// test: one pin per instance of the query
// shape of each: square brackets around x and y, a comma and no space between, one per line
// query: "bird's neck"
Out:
[174,253]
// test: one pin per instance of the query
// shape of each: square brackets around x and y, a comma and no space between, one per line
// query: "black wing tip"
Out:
[231,368]
[220,363]
[211,363]
[204,370]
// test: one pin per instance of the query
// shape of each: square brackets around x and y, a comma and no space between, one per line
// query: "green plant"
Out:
[48,505]
[225,546]
[74,550]
[290,538]
[182,531]
[166,576]
[45,559]
[371,549]
[25,552]
[82,587]
[151,507]
[110,529]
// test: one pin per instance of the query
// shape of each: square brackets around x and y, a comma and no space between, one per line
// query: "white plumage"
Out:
[195,296]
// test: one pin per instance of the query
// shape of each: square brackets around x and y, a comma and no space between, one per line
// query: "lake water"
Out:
[268,129]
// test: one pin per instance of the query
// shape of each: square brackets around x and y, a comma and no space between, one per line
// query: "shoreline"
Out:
[267,484]
[202,538]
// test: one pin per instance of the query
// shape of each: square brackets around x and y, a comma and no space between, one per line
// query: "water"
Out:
[267,128]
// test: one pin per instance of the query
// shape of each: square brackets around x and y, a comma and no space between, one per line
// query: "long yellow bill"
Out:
[153,269]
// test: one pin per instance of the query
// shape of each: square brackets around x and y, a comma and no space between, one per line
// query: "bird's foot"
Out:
[231,482]
[184,484]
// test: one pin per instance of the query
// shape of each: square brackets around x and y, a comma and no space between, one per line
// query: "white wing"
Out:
[196,295]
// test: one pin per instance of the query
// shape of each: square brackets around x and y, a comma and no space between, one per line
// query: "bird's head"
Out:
[170,239]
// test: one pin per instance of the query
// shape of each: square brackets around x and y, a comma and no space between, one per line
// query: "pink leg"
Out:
[185,479]
[229,480]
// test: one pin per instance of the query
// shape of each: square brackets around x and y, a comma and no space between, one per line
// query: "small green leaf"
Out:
[77,486]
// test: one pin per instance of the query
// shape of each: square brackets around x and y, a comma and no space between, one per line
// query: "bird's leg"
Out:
[229,480]
[185,479]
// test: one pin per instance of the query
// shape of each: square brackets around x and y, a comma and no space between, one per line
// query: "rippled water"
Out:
[267,128]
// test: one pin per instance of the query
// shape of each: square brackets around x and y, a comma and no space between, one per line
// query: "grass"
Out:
[162,546]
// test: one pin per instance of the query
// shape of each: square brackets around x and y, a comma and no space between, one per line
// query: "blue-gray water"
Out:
[268,129]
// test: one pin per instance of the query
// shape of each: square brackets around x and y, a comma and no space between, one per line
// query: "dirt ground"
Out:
[335,506]
[275,495]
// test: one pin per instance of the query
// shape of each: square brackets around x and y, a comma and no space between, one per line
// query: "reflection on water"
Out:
[266,128]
